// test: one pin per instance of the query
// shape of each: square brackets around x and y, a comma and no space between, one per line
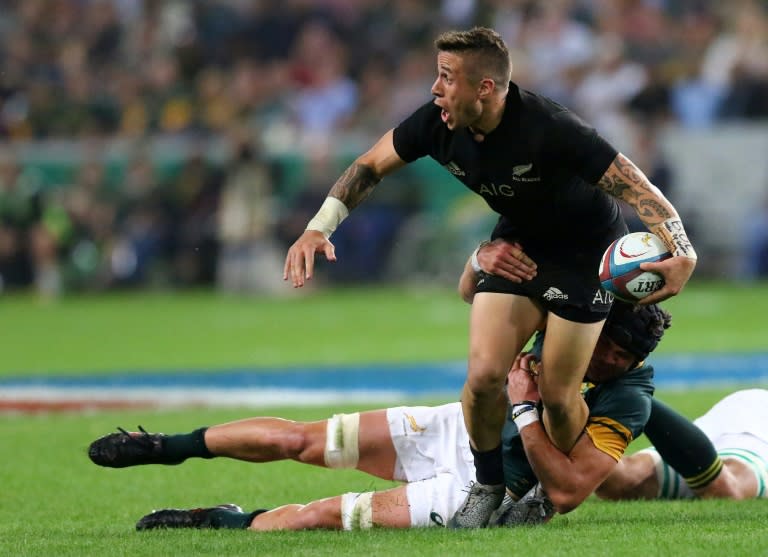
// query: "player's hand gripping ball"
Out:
[620,272]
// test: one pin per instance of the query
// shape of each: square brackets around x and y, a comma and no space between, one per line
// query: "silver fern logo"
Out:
[521,169]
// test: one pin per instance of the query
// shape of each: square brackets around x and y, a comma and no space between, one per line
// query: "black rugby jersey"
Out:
[537,169]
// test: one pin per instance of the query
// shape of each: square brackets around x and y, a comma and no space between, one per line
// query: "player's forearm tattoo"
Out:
[355,185]
[625,181]
[673,234]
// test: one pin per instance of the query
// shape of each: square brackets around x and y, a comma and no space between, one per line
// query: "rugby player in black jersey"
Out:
[555,184]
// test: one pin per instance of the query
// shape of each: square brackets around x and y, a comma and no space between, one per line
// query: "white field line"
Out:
[167,397]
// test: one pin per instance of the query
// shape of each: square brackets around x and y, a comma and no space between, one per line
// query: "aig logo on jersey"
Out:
[493,190]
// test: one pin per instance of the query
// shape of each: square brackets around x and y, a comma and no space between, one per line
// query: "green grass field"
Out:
[203,331]
[56,503]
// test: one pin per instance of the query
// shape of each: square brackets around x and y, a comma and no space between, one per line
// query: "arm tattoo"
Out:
[623,180]
[355,185]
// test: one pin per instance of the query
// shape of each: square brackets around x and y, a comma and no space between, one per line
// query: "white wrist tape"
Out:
[524,415]
[673,235]
[473,261]
[329,217]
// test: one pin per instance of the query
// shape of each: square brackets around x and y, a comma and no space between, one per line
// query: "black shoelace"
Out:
[145,439]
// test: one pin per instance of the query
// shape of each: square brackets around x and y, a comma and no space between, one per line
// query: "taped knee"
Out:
[341,446]
[357,511]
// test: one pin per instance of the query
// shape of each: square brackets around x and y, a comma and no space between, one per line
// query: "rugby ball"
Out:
[620,272]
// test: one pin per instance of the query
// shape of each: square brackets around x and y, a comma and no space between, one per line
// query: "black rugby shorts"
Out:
[572,291]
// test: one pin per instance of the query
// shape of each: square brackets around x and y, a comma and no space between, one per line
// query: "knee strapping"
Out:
[357,511]
[341,445]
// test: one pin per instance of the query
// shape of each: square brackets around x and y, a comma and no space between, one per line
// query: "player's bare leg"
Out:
[387,509]
[568,347]
[268,439]
[351,511]
[271,439]
[500,325]
[634,477]
[366,443]
[736,481]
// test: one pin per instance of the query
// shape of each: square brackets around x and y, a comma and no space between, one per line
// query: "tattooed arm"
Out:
[626,182]
[358,181]
[351,189]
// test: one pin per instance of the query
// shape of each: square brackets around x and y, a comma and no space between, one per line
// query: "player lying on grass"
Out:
[722,454]
[737,469]
[426,447]
[733,467]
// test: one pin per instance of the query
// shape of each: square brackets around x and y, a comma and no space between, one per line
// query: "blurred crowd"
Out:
[265,77]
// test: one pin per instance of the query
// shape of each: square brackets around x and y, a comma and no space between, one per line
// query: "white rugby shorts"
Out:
[433,456]
[741,412]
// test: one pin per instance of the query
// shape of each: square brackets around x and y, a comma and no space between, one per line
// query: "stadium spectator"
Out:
[20,211]
[324,95]
[607,86]
[737,60]
[559,48]
[755,258]
[248,252]
[101,45]
[194,247]
[142,232]
[75,70]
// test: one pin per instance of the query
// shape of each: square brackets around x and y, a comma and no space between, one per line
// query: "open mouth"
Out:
[444,115]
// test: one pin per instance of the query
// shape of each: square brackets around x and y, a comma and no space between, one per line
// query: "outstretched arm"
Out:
[626,182]
[351,189]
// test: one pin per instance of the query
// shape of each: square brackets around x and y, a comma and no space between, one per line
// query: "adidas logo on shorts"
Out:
[553,293]
[454,169]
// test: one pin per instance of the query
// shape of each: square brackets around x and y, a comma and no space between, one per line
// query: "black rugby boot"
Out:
[210,517]
[123,449]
